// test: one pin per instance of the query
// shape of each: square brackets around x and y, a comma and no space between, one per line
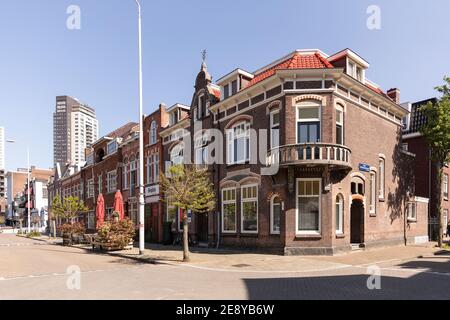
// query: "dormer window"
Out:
[230,89]
[226,91]
[112,147]
[355,71]
[173,117]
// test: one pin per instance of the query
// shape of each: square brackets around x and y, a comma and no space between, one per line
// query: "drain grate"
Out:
[242,265]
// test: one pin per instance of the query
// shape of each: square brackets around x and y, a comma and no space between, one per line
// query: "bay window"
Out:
[249,209]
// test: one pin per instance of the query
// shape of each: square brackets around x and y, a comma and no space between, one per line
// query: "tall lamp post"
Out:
[28,188]
[141,142]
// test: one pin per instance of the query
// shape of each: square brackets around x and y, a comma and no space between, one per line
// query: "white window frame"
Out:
[382,177]
[340,215]
[111,181]
[308,105]
[445,187]
[373,192]
[274,128]
[153,133]
[178,156]
[155,168]
[340,123]
[253,199]
[114,142]
[90,186]
[272,231]
[232,137]
[412,211]
[224,202]
[308,232]
[150,169]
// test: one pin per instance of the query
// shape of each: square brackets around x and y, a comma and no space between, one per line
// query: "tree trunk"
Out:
[185,238]
[20,226]
[438,203]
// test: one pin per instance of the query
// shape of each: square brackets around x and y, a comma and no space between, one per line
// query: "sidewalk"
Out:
[246,261]
[228,260]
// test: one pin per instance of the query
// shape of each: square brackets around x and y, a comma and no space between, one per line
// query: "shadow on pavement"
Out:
[351,287]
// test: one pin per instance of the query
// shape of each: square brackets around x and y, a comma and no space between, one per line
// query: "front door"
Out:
[202,227]
[357,222]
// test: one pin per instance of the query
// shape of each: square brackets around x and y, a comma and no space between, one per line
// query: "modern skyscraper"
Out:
[2,148]
[75,128]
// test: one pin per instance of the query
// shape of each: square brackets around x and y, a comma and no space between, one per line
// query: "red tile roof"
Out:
[297,61]
[122,131]
[377,90]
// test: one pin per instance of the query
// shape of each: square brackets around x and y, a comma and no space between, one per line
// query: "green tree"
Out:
[188,188]
[68,208]
[437,132]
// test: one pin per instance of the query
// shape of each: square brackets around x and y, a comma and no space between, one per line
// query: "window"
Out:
[234,87]
[239,143]
[412,215]
[381,178]
[373,188]
[445,188]
[275,214]
[446,219]
[150,169]
[111,181]
[133,173]
[351,69]
[405,146]
[201,150]
[156,168]
[308,122]
[173,117]
[125,170]
[249,209]
[339,125]
[90,188]
[339,212]
[153,133]
[176,154]
[274,129]
[201,107]
[99,181]
[229,210]
[226,91]
[112,147]
[91,220]
[308,205]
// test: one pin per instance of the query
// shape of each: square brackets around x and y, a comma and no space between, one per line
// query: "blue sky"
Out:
[40,58]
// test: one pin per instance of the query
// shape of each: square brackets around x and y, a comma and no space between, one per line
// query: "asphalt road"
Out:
[31,269]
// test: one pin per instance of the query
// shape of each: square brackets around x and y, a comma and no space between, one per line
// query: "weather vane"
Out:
[203,55]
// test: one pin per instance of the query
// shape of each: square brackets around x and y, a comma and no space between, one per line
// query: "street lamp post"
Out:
[141,142]
[28,187]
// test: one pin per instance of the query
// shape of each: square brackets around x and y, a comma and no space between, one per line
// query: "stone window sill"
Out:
[340,235]
[310,236]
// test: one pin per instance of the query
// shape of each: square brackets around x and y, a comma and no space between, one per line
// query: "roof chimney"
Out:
[394,94]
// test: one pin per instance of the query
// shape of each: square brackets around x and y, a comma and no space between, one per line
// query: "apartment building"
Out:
[305,169]
[75,128]
[425,169]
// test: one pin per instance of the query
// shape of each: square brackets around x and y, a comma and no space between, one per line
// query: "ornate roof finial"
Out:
[203,55]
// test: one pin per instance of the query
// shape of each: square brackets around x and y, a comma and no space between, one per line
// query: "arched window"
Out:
[373,192]
[153,134]
[176,154]
[275,214]
[339,212]
[339,124]
[381,173]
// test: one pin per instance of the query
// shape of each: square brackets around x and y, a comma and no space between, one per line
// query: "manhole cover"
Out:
[242,265]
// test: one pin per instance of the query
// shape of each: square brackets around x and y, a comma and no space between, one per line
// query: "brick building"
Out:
[316,120]
[425,170]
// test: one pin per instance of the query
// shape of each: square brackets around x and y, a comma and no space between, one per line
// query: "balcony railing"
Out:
[310,154]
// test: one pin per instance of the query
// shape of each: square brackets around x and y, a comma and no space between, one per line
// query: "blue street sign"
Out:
[364,167]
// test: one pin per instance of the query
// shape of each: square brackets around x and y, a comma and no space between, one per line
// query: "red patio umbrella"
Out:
[118,204]
[100,210]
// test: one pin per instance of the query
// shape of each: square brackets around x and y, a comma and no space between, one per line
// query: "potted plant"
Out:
[115,235]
